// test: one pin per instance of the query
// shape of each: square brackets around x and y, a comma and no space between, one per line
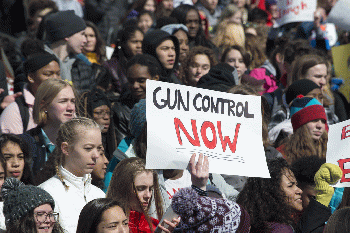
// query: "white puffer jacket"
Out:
[69,203]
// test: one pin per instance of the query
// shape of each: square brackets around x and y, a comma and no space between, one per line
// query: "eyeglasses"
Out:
[42,216]
[102,113]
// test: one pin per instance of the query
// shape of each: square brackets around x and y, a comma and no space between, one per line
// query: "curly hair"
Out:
[198,50]
[229,34]
[300,144]
[27,177]
[265,200]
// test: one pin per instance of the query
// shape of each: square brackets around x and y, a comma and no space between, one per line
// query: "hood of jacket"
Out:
[220,78]
[153,39]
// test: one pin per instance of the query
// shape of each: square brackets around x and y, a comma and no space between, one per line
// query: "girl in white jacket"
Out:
[79,145]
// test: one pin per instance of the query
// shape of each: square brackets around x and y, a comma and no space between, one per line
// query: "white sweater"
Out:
[69,203]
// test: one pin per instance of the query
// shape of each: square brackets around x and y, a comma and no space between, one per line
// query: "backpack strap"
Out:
[24,111]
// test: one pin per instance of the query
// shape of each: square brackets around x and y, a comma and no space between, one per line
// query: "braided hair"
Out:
[69,132]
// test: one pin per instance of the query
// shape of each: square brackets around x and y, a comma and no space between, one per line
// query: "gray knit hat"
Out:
[63,24]
[20,199]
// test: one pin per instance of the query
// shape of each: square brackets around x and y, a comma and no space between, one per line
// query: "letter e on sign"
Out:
[344,133]
[341,163]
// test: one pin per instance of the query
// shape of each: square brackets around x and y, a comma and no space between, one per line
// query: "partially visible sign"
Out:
[341,62]
[338,149]
[340,16]
[296,11]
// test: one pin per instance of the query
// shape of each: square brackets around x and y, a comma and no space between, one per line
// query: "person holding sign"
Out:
[310,128]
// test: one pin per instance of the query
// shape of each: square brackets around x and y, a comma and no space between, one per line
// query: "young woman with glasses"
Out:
[28,208]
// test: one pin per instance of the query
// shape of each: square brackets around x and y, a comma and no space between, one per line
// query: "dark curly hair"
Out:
[27,177]
[265,200]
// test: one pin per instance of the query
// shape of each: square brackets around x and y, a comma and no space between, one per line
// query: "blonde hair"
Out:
[229,11]
[69,132]
[46,92]
[122,185]
[229,34]
[300,144]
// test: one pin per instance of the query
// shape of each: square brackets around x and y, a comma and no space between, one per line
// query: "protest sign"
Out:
[339,15]
[296,11]
[338,148]
[341,62]
[183,120]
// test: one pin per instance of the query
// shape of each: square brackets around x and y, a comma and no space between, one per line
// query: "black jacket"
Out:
[314,217]
[121,115]
[221,77]
[149,45]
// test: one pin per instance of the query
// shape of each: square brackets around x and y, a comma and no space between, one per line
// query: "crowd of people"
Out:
[73,142]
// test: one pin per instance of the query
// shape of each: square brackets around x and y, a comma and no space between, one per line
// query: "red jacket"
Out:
[139,224]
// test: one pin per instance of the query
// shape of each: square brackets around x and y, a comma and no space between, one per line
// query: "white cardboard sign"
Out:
[296,11]
[338,148]
[183,120]
[339,15]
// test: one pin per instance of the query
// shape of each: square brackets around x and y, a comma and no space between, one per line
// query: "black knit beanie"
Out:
[20,199]
[38,61]
[96,98]
[63,24]
[299,87]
